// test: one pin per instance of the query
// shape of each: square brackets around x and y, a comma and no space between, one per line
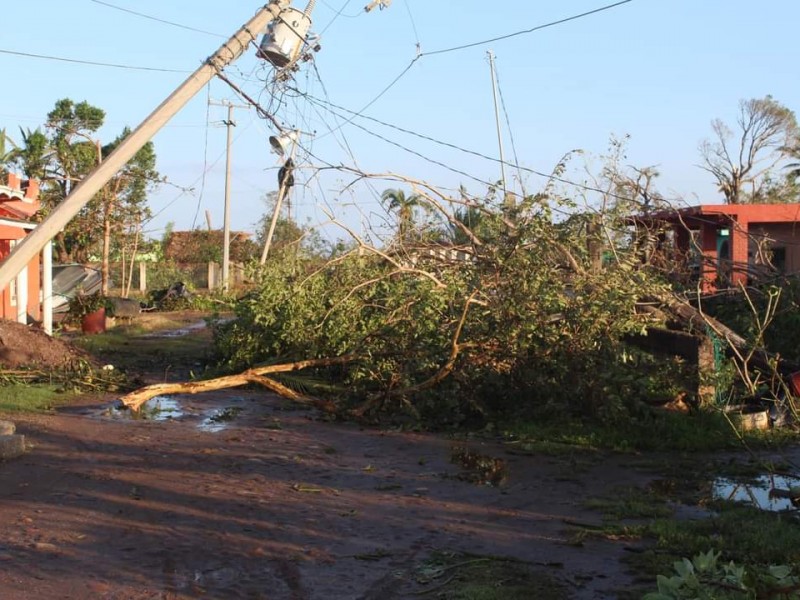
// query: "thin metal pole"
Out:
[226,222]
[32,244]
[226,225]
[497,122]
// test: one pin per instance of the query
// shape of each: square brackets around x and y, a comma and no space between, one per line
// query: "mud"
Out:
[280,505]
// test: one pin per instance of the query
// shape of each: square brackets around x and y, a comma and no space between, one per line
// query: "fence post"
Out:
[143,277]
[212,276]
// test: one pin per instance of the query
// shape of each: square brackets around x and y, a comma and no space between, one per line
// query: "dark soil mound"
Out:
[23,346]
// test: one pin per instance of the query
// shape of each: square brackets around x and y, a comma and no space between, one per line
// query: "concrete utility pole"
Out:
[490,54]
[283,191]
[226,226]
[32,244]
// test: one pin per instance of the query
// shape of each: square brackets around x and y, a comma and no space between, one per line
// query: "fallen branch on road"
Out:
[136,399]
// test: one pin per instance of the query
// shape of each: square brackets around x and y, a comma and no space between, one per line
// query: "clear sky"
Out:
[657,70]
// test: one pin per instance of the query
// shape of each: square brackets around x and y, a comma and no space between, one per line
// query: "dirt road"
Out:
[277,504]
[239,495]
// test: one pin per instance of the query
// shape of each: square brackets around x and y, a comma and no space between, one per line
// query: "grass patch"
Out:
[631,503]
[456,576]
[752,538]
[701,432]
[742,533]
[18,398]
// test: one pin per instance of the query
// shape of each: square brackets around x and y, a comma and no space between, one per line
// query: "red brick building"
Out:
[19,201]
[730,243]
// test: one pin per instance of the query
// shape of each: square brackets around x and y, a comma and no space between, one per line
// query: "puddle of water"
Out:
[479,469]
[769,492]
[160,408]
[174,333]
[219,419]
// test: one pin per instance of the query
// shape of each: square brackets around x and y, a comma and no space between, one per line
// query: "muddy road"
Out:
[238,494]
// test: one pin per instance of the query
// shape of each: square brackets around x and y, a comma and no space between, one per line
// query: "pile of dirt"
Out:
[24,346]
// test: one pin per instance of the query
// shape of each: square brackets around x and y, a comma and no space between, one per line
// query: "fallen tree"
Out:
[136,399]
[497,307]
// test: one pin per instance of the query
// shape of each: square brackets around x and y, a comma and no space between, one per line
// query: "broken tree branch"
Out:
[441,374]
[136,399]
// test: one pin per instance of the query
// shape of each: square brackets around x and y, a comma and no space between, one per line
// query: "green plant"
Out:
[706,578]
[703,578]
[85,304]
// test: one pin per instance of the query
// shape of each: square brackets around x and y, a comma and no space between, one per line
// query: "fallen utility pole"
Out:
[231,50]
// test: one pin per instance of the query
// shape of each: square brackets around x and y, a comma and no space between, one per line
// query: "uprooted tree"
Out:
[495,308]
[501,310]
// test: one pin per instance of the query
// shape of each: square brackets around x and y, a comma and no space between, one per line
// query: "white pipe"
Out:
[47,288]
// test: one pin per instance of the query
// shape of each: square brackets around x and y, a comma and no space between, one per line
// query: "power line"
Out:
[152,18]
[362,13]
[336,16]
[205,154]
[510,130]
[473,44]
[91,62]
[551,176]
[375,99]
[527,31]
[413,23]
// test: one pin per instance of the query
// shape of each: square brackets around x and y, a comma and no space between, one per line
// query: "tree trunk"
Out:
[106,267]
[136,399]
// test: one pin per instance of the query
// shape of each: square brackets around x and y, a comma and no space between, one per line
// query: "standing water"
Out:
[769,492]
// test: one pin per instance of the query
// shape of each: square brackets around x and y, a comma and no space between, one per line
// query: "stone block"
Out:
[11,446]
[7,428]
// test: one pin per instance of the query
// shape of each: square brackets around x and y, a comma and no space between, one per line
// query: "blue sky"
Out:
[657,70]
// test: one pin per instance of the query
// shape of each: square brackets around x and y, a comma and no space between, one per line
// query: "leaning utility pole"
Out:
[490,54]
[226,226]
[283,191]
[32,244]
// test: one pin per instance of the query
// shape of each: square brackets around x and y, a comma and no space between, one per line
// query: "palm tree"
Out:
[472,218]
[8,152]
[405,206]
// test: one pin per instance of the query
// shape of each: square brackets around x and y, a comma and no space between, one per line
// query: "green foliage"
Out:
[631,503]
[702,578]
[406,208]
[63,154]
[646,431]
[162,274]
[81,305]
[290,239]
[8,152]
[781,334]
[706,578]
[535,328]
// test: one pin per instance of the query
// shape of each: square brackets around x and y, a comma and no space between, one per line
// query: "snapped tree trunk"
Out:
[136,399]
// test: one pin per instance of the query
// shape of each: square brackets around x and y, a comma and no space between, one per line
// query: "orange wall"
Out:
[7,311]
